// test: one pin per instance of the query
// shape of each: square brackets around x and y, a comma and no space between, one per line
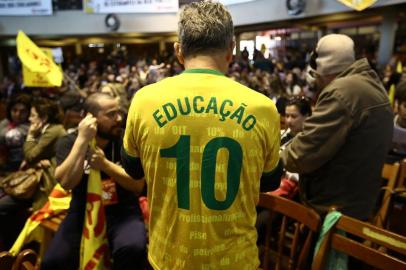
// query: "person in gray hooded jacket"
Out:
[341,150]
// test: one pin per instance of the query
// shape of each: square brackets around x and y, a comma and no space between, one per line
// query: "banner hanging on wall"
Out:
[130,6]
[25,7]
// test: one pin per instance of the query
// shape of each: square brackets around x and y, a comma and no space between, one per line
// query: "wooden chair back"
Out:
[291,246]
[50,226]
[402,175]
[26,260]
[378,247]
[6,260]
[390,174]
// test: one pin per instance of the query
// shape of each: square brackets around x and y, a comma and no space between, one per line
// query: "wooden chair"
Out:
[50,225]
[390,174]
[396,215]
[53,223]
[393,244]
[26,260]
[402,175]
[6,260]
[293,244]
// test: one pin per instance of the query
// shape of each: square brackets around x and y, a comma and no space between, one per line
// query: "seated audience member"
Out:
[46,128]
[398,150]
[296,111]
[44,131]
[39,146]
[125,228]
[292,86]
[13,131]
[117,91]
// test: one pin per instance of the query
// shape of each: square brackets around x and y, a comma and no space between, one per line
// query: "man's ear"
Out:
[229,56]
[178,52]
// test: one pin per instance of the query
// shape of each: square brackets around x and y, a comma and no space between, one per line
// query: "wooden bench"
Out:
[27,259]
[377,247]
[6,260]
[53,223]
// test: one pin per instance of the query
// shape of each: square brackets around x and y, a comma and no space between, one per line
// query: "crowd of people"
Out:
[336,120]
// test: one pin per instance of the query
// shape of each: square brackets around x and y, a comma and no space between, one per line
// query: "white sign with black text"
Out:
[25,7]
[130,6]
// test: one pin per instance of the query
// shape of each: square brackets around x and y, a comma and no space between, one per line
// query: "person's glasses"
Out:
[113,113]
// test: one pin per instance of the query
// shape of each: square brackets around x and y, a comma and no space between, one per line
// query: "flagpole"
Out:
[80,91]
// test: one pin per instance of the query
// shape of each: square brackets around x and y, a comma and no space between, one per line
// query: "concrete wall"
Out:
[79,23]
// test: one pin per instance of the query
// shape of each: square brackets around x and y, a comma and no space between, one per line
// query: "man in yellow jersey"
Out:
[203,143]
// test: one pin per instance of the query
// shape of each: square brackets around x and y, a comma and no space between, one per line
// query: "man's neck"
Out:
[206,62]
[100,142]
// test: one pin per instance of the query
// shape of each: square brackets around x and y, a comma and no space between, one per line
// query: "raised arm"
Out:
[100,162]
[36,150]
[70,171]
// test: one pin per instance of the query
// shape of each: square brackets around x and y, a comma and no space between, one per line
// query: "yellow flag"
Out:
[36,61]
[358,5]
[399,68]
[391,94]
[94,248]
[36,79]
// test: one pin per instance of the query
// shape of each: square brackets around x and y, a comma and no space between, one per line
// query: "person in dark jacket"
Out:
[341,150]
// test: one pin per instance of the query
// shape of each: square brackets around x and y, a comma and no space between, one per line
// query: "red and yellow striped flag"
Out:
[58,202]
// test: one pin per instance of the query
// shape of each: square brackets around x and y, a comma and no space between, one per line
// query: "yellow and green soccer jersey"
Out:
[204,142]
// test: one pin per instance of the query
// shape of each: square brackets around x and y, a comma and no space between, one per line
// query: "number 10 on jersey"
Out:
[181,151]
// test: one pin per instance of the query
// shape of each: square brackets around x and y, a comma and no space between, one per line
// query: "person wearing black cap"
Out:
[341,150]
